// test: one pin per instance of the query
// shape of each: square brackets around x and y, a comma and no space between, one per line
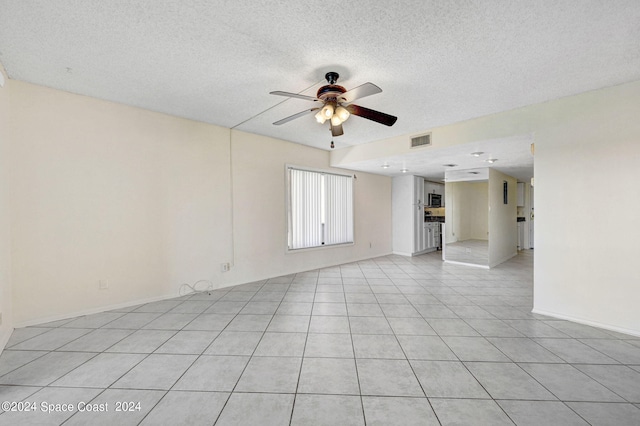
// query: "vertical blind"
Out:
[320,209]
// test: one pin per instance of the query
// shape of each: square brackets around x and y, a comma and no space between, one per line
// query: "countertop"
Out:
[439,219]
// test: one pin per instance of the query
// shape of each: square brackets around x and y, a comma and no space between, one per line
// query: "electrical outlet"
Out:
[224,267]
[103,284]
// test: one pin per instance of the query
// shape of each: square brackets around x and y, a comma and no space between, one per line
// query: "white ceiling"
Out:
[216,61]
[513,156]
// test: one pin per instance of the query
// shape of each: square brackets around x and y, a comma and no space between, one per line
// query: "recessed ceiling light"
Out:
[450,165]
[473,173]
[385,166]
[404,170]
[477,154]
[491,160]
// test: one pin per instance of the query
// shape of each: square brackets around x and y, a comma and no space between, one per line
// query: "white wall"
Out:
[6,306]
[503,226]
[102,191]
[586,251]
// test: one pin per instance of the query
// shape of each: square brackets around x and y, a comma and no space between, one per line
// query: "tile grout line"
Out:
[306,338]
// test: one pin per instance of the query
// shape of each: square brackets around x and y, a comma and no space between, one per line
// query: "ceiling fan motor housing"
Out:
[331,91]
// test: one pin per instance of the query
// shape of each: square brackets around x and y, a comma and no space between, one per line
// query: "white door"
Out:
[418,228]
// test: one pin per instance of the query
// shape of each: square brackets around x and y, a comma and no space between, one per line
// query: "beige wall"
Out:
[467,211]
[5,235]
[503,226]
[107,192]
[260,222]
[586,264]
[103,191]
[474,211]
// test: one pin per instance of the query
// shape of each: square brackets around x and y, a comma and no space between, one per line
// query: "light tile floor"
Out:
[387,341]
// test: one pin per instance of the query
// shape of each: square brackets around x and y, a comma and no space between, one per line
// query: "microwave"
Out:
[434,200]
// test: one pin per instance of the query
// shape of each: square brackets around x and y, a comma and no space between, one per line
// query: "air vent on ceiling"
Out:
[423,140]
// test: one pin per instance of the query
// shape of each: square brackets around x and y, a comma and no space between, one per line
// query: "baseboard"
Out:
[4,338]
[100,309]
[587,322]
[401,253]
[92,311]
[431,250]
[504,259]
[474,265]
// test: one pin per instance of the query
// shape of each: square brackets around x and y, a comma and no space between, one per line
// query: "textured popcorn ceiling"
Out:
[438,62]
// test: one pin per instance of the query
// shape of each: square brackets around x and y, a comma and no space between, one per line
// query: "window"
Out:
[320,208]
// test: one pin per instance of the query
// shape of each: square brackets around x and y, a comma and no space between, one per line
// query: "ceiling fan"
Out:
[336,106]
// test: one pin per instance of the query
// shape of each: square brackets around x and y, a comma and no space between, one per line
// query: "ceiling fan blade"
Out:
[295,95]
[294,116]
[361,91]
[369,114]
[337,130]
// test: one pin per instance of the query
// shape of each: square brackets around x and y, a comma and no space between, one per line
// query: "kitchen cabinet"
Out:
[418,216]
[411,235]
[407,210]
[418,191]
[431,236]
[427,235]
[433,188]
[436,236]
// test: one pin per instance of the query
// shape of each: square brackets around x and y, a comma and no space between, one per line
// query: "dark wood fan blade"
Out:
[295,95]
[369,114]
[361,91]
[337,130]
[294,116]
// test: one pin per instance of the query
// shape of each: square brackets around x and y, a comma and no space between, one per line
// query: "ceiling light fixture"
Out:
[385,166]
[477,154]
[342,113]
[327,111]
[473,173]
[491,160]
[450,165]
[404,170]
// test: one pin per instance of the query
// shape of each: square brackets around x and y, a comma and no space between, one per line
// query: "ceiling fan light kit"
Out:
[337,106]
